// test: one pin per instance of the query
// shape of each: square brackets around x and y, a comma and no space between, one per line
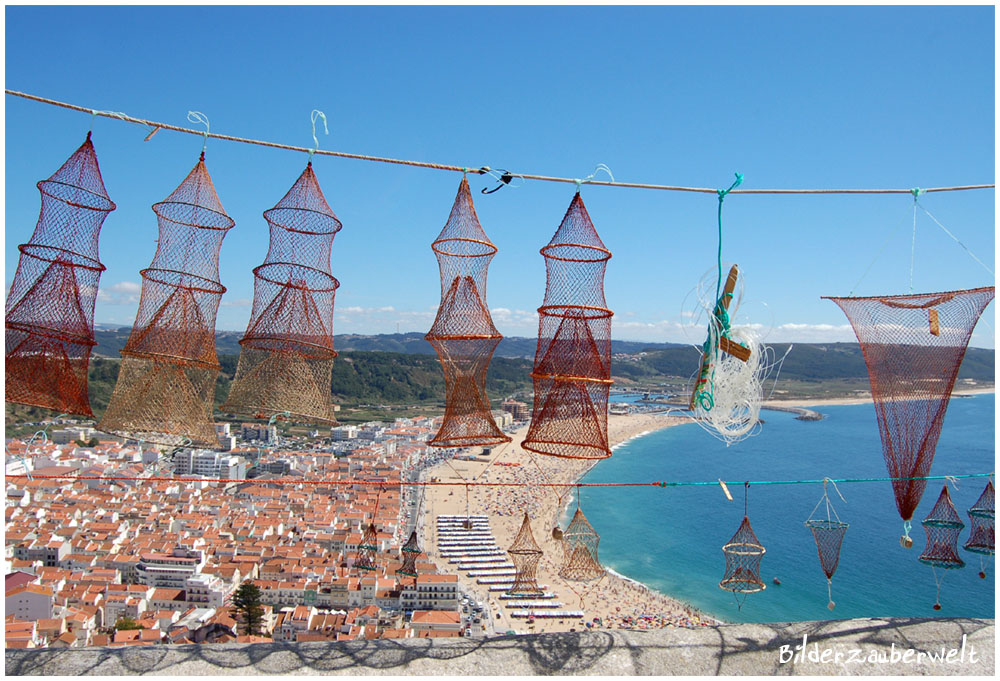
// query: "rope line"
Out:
[415,483]
[465,169]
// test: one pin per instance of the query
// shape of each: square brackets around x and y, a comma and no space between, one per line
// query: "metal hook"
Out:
[502,180]
[199,117]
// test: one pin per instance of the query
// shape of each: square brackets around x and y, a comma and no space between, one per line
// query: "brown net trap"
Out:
[828,534]
[580,547]
[525,555]
[166,383]
[743,555]
[409,553]
[572,370]
[982,517]
[942,526]
[49,323]
[368,550]
[463,334]
[286,355]
[913,347]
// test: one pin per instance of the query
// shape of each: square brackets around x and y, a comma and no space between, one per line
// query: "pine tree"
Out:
[246,601]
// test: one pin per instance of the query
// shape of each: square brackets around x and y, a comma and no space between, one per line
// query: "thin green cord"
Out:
[813,482]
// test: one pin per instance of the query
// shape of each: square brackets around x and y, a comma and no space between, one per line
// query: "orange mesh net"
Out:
[580,545]
[982,517]
[743,556]
[286,356]
[463,334]
[166,383]
[913,347]
[942,526]
[368,550]
[409,553]
[572,372]
[525,555]
[49,324]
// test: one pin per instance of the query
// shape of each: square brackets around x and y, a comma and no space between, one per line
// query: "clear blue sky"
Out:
[791,97]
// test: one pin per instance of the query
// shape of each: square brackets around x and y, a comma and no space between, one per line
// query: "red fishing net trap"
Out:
[982,517]
[166,383]
[580,541]
[743,555]
[572,370]
[525,555]
[286,355]
[463,334]
[49,323]
[913,347]
[409,553]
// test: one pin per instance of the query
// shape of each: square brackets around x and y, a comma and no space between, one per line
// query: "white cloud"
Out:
[237,302]
[121,293]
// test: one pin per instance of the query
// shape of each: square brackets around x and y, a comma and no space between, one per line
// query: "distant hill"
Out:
[111,340]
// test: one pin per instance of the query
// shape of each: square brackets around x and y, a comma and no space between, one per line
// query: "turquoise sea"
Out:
[671,538]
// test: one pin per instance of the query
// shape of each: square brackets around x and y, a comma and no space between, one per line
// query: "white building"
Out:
[171,571]
[430,592]
[30,602]
[209,464]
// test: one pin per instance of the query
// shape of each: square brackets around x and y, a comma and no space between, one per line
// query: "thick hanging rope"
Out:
[481,171]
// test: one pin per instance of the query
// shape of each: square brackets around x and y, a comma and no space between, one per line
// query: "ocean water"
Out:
[671,538]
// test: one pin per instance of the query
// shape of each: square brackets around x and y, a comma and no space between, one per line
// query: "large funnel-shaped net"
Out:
[743,555]
[409,553]
[580,545]
[913,347]
[286,356]
[982,516]
[525,555]
[572,372]
[463,333]
[368,550]
[49,325]
[166,383]
[942,526]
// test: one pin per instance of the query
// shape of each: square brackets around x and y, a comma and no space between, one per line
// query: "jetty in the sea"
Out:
[803,414]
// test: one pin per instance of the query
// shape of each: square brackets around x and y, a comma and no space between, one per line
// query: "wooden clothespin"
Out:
[935,325]
[735,349]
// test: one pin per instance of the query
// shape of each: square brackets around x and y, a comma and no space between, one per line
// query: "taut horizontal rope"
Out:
[462,169]
[406,483]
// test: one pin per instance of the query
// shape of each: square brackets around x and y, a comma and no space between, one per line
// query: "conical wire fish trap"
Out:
[942,526]
[409,553]
[286,355]
[368,550]
[743,555]
[982,516]
[828,534]
[463,334]
[49,322]
[580,548]
[572,369]
[525,555]
[913,346]
[166,383]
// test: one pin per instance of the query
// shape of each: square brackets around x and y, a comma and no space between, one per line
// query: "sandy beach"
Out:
[616,601]
[800,402]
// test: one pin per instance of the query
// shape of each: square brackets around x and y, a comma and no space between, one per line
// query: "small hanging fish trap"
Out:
[525,555]
[166,382]
[463,334]
[580,550]
[408,554]
[829,536]
[286,355]
[49,322]
[942,526]
[982,516]
[913,347]
[572,369]
[368,550]
[743,555]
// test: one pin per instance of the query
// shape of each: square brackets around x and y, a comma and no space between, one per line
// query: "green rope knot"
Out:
[917,191]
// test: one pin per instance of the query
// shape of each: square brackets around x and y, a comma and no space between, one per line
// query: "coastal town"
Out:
[121,543]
